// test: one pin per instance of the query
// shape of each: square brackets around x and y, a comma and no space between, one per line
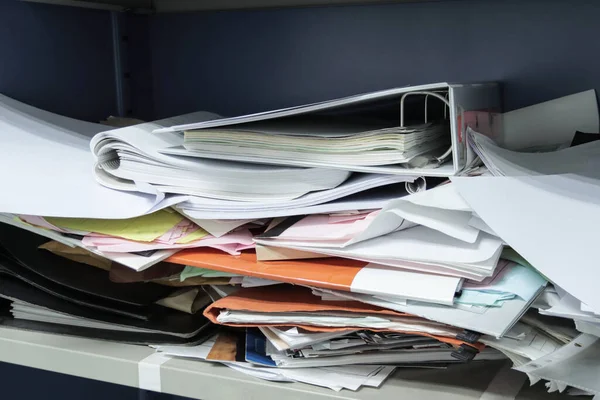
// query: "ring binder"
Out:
[295,136]
[441,159]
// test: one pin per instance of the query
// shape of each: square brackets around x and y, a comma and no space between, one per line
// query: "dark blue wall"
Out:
[140,66]
[57,58]
[243,61]
[24,383]
[60,58]
[50,385]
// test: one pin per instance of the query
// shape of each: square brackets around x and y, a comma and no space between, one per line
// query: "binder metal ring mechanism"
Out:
[448,153]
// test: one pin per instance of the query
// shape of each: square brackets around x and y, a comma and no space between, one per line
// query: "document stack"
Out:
[328,244]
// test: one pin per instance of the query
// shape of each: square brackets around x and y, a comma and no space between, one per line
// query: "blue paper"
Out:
[256,348]
[511,278]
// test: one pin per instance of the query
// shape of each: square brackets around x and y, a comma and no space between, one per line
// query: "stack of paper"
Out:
[138,242]
[128,157]
[301,238]
[326,142]
[428,232]
[333,333]
[476,312]
[359,192]
[223,349]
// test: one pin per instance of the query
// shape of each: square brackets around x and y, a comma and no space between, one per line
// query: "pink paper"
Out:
[318,228]
[231,243]
[97,240]
[338,219]
[41,222]
[241,247]
[184,228]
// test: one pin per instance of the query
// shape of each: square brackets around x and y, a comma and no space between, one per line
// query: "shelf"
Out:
[205,5]
[109,5]
[118,363]
[161,6]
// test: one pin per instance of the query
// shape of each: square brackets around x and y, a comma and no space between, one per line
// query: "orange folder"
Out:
[326,273]
[289,299]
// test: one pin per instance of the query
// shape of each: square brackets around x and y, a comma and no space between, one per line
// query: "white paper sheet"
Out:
[588,327]
[541,217]
[443,196]
[585,308]
[134,261]
[46,156]
[575,364]
[440,208]
[355,184]
[405,356]
[567,306]
[533,346]
[324,377]
[503,162]
[216,227]
[381,281]
[402,214]
[298,340]
[268,374]
[493,321]
[478,223]
[377,379]
[420,244]
[400,324]
[551,122]
[200,351]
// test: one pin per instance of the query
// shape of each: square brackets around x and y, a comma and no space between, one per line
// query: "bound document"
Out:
[415,130]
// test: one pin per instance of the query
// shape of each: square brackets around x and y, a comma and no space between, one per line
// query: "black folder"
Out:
[164,322]
[21,246]
[40,279]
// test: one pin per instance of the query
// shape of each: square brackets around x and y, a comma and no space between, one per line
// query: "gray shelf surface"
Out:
[118,363]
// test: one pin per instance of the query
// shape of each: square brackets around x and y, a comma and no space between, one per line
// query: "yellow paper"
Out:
[141,229]
[196,235]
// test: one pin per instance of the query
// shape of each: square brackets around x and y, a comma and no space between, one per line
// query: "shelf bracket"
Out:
[121,70]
